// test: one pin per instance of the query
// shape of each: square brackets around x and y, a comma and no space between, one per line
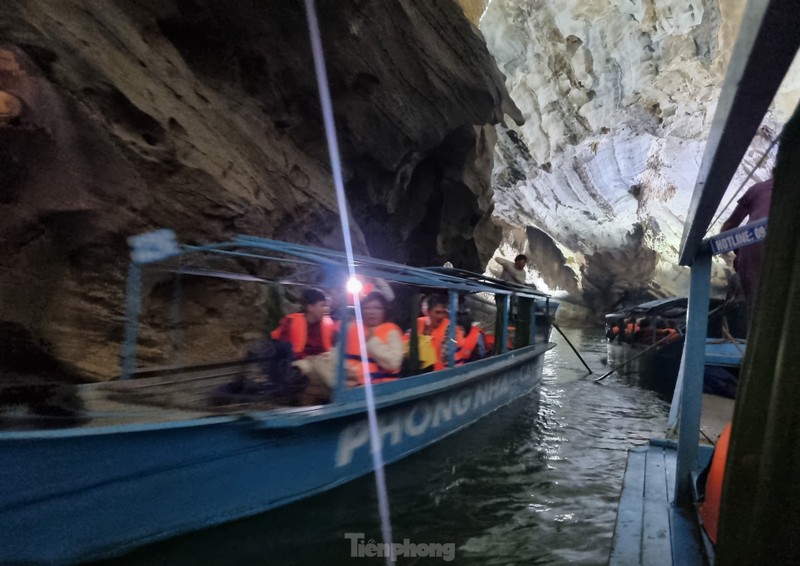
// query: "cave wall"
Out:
[618,98]
[123,116]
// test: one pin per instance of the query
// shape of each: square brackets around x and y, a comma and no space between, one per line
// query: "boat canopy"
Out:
[661,307]
[262,260]
[159,251]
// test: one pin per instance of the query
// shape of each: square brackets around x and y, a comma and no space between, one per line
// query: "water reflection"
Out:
[534,483]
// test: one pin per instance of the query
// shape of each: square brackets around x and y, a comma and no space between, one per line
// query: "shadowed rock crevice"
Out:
[550,262]
[434,214]
[620,276]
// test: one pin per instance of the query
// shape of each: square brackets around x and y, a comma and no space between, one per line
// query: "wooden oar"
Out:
[605,375]
[573,348]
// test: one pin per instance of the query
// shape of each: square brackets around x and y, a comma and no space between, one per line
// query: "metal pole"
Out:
[574,349]
[504,327]
[451,328]
[341,348]
[532,329]
[695,361]
[413,342]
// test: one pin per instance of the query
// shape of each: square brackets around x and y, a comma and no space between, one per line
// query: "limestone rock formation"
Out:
[123,116]
[618,98]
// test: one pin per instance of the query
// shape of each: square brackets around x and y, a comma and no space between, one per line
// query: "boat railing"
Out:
[298,264]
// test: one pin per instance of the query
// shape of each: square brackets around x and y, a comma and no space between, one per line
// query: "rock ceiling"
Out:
[618,97]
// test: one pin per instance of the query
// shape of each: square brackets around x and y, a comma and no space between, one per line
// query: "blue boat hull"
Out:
[657,369]
[81,494]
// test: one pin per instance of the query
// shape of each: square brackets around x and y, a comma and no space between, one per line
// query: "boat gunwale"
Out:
[434,384]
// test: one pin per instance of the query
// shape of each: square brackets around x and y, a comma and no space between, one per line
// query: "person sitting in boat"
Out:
[309,332]
[435,325]
[473,347]
[645,333]
[666,331]
[631,328]
[613,331]
[425,354]
[384,341]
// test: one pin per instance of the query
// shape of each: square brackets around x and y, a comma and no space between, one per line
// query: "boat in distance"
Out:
[649,338]
[153,461]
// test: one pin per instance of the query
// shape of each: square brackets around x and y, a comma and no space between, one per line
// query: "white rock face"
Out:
[618,98]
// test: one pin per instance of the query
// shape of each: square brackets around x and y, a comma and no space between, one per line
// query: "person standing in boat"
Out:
[309,332]
[520,316]
[384,342]
[754,205]
[513,272]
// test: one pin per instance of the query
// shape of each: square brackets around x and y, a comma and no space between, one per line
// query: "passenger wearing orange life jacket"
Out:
[473,346]
[310,332]
[489,339]
[613,331]
[384,341]
[631,328]
[666,332]
[435,325]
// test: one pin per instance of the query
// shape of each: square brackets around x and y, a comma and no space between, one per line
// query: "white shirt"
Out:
[510,272]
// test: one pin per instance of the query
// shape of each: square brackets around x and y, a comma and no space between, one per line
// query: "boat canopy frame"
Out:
[159,251]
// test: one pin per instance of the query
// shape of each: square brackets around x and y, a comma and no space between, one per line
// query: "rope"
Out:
[726,333]
[746,179]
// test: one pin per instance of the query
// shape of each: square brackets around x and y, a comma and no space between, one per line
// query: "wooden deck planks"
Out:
[656,542]
[649,530]
[671,461]
[686,546]
[627,544]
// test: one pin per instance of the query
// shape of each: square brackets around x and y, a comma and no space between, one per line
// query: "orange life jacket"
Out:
[298,332]
[470,342]
[377,373]
[709,509]
[438,338]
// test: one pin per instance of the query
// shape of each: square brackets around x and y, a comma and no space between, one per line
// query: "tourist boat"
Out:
[152,459]
[653,353]
[759,506]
